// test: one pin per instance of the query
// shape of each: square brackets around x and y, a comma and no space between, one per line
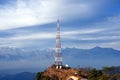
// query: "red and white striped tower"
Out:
[58,52]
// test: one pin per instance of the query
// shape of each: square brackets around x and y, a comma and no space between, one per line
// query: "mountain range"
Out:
[16,58]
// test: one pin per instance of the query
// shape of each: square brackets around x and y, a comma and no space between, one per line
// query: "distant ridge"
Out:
[95,57]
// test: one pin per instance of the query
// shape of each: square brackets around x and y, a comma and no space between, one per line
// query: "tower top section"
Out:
[57,20]
[58,25]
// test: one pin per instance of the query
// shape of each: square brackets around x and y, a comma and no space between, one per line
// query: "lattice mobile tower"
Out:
[58,51]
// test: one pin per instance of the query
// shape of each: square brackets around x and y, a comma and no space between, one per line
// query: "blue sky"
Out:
[84,23]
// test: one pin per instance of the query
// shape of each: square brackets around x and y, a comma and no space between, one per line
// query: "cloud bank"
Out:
[84,24]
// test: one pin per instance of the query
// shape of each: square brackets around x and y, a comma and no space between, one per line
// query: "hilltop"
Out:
[62,74]
[107,73]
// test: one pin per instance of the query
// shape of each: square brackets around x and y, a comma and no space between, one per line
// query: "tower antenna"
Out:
[58,51]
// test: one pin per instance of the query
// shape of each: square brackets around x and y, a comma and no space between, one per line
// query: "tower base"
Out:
[58,67]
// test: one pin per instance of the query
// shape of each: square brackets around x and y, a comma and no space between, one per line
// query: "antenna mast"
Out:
[58,51]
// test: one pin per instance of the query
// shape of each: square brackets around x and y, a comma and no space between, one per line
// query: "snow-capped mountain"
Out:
[95,57]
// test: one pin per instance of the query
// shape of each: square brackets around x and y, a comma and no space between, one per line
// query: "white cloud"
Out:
[33,36]
[50,35]
[113,44]
[90,38]
[29,12]
[82,31]
[24,13]
[101,38]
[111,22]
[104,34]
[27,40]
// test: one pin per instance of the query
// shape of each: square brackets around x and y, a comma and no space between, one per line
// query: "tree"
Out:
[104,77]
[38,76]
[94,75]
[116,77]
[108,70]
[41,76]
